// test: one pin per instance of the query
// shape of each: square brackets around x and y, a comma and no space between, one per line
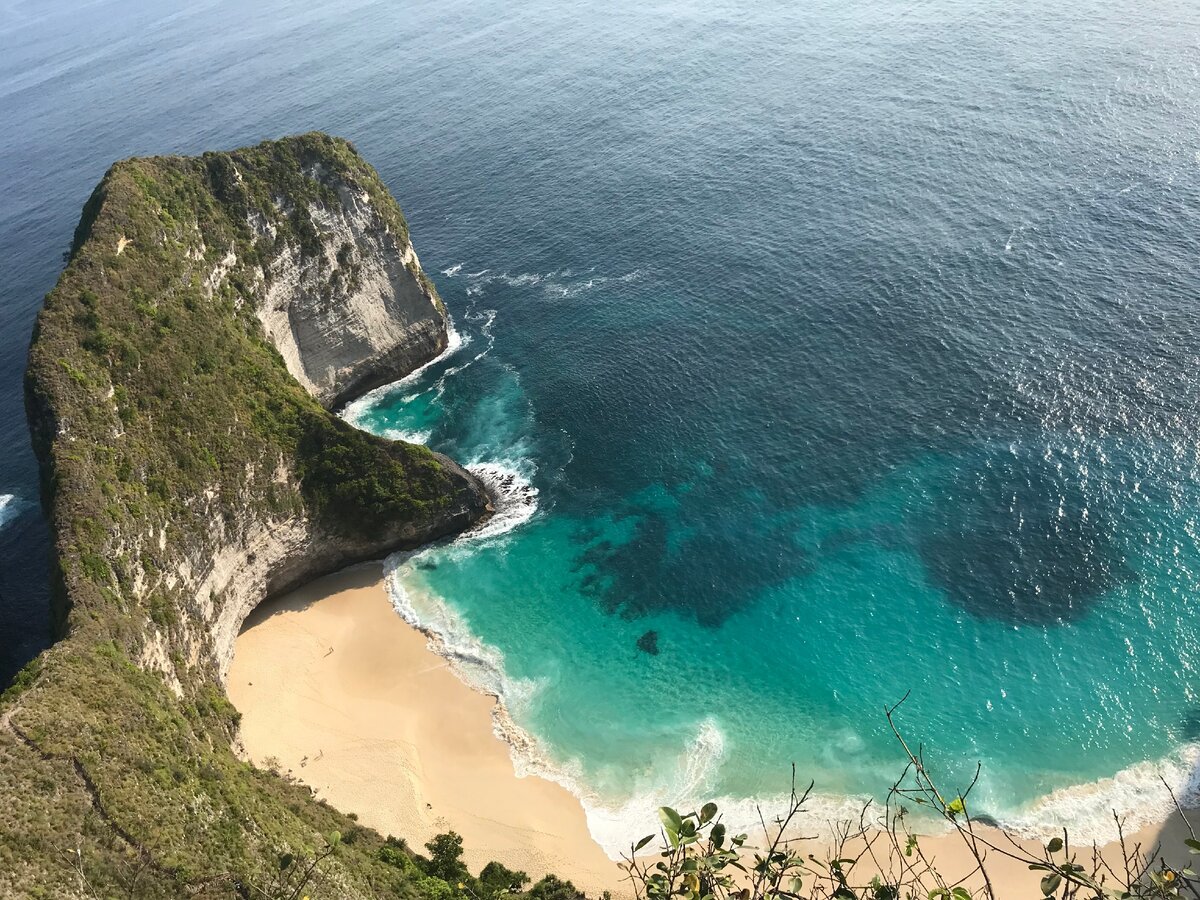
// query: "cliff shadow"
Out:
[358,577]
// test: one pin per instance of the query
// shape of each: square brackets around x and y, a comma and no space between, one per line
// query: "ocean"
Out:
[823,354]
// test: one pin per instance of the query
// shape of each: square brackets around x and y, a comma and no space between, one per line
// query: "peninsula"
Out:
[180,385]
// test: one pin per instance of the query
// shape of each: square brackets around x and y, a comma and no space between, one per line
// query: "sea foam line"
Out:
[558,283]
[1136,794]
[486,318]
[356,410]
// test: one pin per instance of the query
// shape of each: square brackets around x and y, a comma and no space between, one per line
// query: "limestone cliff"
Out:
[361,312]
[178,389]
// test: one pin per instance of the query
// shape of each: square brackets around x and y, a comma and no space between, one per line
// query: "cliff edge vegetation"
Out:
[179,388]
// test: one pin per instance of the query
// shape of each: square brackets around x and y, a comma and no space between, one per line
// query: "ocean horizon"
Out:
[819,357]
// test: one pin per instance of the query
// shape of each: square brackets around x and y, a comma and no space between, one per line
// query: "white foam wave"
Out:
[452,271]
[409,437]
[10,506]
[563,284]
[481,666]
[514,494]
[486,318]
[1136,794]
[478,664]
[356,411]
[615,826]
[688,784]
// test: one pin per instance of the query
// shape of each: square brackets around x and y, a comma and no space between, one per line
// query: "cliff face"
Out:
[178,391]
[380,318]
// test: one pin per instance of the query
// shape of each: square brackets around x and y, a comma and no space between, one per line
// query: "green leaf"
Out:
[707,812]
[956,806]
[960,893]
[643,842]
[1055,845]
[910,845]
[670,819]
[718,835]
[1050,883]
[1193,844]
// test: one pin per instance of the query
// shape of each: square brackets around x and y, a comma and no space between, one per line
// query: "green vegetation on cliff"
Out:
[162,379]
[172,437]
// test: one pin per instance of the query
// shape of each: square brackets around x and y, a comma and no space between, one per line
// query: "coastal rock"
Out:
[648,643]
[252,489]
[178,391]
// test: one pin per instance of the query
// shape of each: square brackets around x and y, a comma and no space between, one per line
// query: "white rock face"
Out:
[359,314]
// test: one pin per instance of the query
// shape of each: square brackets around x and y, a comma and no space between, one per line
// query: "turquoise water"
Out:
[850,347]
[1053,671]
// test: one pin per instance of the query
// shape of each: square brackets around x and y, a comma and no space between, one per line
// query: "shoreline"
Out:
[337,690]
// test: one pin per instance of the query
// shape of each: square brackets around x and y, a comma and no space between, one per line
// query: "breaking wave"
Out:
[409,437]
[10,508]
[1136,794]
[356,411]
[514,494]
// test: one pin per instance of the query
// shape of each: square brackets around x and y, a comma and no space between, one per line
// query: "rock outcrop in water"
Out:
[179,387]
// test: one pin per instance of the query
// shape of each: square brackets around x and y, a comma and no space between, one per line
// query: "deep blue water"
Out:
[852,348]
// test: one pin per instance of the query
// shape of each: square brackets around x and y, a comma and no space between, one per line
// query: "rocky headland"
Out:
[213,312]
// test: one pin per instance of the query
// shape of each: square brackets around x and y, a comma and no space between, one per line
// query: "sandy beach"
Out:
[338,691]
[345,696]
